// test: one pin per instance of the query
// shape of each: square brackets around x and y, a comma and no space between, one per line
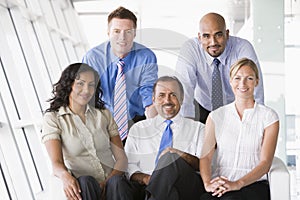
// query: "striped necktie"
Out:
[166,139]
[120,105]
[217,92]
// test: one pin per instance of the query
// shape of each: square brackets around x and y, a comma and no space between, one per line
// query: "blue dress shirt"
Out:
[195,66]
[140,72]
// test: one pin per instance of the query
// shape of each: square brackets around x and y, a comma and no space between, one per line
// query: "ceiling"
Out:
[234,11]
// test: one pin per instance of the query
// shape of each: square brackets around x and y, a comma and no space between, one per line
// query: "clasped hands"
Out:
[220,185]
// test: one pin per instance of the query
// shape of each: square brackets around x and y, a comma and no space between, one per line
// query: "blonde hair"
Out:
[243,62]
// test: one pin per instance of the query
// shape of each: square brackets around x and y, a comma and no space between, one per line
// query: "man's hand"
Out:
[141,178]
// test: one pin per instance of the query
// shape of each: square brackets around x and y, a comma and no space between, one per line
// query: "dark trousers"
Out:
[117,188]
[120,188]
[259,191]
[174,179]
[201,113]
[90,188]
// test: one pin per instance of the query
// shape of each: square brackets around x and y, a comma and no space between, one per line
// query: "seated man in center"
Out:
[163,152]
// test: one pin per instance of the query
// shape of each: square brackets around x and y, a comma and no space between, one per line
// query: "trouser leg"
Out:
[173,179]
[203,113]
[258,191]
[119,188]
[90,188]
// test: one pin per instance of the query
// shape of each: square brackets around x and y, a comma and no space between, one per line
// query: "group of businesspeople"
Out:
[115,130]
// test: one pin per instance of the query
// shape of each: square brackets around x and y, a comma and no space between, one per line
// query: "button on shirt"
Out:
[84,146]
[140,71]
[144,139]
[194,68]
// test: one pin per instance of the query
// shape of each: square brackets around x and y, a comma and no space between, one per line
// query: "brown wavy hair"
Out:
[62,89]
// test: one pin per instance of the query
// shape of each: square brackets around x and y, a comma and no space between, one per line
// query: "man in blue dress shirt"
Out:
[195,65]
[140,65]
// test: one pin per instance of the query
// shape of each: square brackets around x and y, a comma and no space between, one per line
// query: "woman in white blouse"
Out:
[240,141]
[82,138]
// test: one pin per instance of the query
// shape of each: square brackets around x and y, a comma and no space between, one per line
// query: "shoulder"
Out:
[238,42]
[137,128]
[144,123]
[263,109]
[98,50]
[237,39]
[223,109]
[218,114]
[191,43]
[51,119]
[142,49]
[54,115]
[191,122]
[50,116]
[266,115]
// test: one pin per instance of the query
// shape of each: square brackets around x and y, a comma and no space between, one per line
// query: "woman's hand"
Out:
[220,185]
[215,185]
[71,187]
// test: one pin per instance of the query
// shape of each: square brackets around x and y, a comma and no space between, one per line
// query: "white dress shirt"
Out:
[144,140]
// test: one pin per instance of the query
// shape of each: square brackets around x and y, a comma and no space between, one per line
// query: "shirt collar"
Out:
[160,120]
[210,59]
[248,110]
[126,59]
[65,110]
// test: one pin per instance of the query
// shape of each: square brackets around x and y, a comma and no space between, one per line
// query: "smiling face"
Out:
[243,82]
[167,98]
[83,90]
[121,33]
[213,34]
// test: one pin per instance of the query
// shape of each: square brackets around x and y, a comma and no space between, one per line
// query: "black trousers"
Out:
[117,188]
[256,191]
[174,179]
[201,113]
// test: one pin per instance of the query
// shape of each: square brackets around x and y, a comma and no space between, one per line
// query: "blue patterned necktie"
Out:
[166,139]
[217,92]
[120,105]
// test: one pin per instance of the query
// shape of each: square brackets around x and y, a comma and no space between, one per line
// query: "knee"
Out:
[170,156]
[115,180]
[84,180]
[167,159]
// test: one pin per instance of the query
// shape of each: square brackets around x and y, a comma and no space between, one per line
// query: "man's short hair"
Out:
[122,13]
[168,79]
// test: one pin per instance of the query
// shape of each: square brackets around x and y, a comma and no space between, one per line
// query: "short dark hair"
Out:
[62,89]
[122,13]
[167,79]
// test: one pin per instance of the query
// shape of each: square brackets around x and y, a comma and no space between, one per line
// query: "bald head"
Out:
[212,20]
[213,34]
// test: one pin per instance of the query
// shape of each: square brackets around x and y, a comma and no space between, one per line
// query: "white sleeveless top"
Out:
[239,141]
